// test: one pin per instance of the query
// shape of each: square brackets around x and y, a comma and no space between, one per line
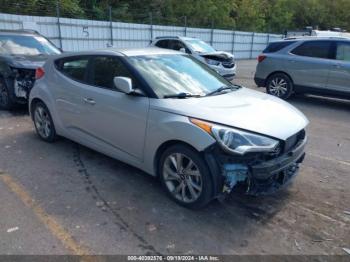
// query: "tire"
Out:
[43,123]
[6,102]
[190,186]
[280,85]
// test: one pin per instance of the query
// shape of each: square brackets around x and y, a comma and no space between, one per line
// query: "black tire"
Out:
[280,85]
[205,195]
[43,122]
[6,99]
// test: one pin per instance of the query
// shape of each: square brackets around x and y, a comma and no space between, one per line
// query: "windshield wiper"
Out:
[223,88]
[181,95]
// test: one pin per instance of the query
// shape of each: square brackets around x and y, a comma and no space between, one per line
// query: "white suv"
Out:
[221,62]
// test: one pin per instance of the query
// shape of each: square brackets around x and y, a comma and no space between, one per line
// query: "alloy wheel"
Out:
[42,122]
[182,178]
[278,87]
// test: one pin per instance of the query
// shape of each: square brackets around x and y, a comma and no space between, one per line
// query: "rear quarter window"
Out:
[162,44]
[73,67]
[277,46]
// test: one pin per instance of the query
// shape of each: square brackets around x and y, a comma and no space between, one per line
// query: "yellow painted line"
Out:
[50,222]
[330,159]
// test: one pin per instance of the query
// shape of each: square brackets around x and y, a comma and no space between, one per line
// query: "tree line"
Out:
[273,16]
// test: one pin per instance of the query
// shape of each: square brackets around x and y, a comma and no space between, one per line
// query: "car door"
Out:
[113,120]
[309,64]
[339,76]
[65,84]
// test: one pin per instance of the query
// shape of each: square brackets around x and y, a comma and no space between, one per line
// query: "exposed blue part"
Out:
[234,173]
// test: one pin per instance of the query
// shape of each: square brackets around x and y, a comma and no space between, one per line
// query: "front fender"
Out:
[163,127]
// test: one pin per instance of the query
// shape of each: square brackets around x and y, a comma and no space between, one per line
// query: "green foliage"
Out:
[247,15]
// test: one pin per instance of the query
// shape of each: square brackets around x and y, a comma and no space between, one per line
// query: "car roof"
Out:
[19,32]
[313,38]
[123,52]
[184,38]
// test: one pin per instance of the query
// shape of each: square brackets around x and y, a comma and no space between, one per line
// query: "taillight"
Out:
[261,58]
[39,73]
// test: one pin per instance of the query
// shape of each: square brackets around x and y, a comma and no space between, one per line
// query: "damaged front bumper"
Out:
[23,82]
[270,176]
[260,177]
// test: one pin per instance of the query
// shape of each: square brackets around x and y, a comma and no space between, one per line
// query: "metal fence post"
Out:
[111,23]
[252,46]
[212,33]
[151,25]
[233,40]
[185,25]
[268,39]
[58,23]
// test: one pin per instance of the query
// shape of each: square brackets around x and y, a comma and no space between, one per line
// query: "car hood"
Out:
[245,109]
[218,54]
[25,61]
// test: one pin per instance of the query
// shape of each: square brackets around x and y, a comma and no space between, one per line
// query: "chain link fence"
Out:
[106,29]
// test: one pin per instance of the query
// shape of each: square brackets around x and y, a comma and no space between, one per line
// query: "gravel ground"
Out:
[63,198]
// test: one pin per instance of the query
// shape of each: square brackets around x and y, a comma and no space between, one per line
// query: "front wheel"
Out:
[279,85]
[44,125]
[185,176]
[5,97]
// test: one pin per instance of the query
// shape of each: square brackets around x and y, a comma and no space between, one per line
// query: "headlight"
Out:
[237,141]
[212,62]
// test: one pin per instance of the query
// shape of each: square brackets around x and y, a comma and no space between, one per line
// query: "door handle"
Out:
[337,65]
[292,61]
[89,101]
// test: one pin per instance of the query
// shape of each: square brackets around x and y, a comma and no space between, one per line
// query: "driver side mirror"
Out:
[123,84]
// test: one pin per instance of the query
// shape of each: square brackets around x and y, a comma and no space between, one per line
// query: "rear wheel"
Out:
[44,125]
[185,176]
[279,85]
[5,98]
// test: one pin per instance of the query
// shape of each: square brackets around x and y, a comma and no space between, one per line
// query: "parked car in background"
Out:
[222,62]
[173,117]
[21,53]
[309,31]
[305,65]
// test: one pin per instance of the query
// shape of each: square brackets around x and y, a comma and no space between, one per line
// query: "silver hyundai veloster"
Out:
[173,117]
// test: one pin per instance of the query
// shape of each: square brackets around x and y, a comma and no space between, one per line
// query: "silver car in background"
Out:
[305,65]
[173,117]
[222,62]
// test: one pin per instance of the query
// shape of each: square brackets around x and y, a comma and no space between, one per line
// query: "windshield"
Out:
[200,46]
[26,45]
[174,74]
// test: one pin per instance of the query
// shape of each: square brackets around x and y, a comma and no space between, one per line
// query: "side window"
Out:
[105,68]
[73,67]
[318,49]
[162,44]
[277,46]
[176,45]
[343,51]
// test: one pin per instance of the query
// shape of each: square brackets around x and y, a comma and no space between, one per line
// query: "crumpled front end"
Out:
[23,82]
[260,173]
[222,62]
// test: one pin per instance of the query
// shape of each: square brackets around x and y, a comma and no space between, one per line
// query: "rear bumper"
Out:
[260,82]
[259,179]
